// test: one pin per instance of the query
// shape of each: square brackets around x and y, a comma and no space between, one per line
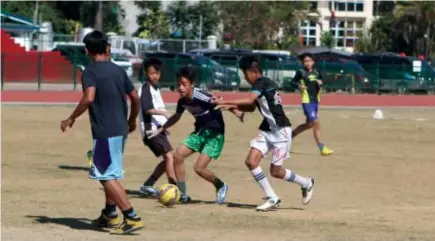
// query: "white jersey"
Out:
[150,99]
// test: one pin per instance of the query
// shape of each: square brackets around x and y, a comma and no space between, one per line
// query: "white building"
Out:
[352,18]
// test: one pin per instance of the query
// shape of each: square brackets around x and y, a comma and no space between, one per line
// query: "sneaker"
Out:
[326,151]
[128,226]
[149,191]
[184,198]
[271,203]
[267,198]
[104,221]
[307,193]
[221,194]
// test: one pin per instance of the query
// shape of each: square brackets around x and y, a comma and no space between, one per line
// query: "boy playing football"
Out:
[309,81]
[105,86]
[208,137]
[153,115]
[275,133]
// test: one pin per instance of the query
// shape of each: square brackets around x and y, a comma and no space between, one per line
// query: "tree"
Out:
[179,16]
[261,24]
[153,22]
[327,39]
[209,11]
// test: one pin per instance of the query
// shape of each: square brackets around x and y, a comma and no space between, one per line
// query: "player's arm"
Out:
[319,80]
[296,81]
[170,122]
[245,104]
[88,85]
[134,102]
[147,102]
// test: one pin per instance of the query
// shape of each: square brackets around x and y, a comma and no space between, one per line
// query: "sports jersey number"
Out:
[277,99]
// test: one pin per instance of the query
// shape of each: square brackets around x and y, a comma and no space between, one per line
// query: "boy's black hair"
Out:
[187,73]
[302,56]
[250,62]
[154,62]
[96,42]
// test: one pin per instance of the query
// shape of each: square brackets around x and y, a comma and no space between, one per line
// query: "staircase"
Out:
[21,66]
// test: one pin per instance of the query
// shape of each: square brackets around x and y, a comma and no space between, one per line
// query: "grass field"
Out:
[377,186]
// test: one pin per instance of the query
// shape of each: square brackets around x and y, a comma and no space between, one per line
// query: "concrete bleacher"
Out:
[21,66]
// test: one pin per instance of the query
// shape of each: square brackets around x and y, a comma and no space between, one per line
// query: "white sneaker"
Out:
[307,193]
[271,202]
[149,191]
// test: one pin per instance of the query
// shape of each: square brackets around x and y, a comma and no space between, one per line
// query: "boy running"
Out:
[105,86]
[153,115]
[208,137]
[275,133]
[309,81]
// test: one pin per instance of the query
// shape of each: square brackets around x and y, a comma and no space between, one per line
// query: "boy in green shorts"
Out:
[207,139]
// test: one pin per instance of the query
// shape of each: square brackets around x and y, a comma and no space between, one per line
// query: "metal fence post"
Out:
[39,70]
[3,69]
[378,80]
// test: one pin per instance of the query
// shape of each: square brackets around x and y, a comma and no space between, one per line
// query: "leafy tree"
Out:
[327,39]
[153,22]
[179,16]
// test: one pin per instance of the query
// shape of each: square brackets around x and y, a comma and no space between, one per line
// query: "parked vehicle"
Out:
[397,73]
[210,74]
[120,58]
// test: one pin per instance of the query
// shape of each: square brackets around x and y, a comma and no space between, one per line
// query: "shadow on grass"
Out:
[73,168]
[74,223]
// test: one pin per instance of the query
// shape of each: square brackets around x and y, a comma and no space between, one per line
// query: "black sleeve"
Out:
[258,86]
[180,107]
[319,76]
[297,79]
[129,87]
[146,100]
[88,80]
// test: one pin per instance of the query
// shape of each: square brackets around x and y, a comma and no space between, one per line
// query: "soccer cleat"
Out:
[128,226]
[149,191]
[326,151]
[271,203]
[307,193]
[221,194]
[184,199]
[276,206]
[104,221]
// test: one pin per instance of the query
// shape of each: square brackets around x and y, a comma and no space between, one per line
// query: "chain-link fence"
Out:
[222,73]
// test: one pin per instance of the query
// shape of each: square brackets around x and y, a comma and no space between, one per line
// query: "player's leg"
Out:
[308,110]
[260,148]
[190,145]
[212,148]
[314,119]
[107,168]
[160,146]
[281,144]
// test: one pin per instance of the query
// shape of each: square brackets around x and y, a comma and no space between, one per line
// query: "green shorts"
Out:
[206,142]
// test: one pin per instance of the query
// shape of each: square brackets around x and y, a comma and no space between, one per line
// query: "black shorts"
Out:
[159,144]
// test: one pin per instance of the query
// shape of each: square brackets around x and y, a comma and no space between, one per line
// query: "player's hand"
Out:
[69,122]
[319,82]
[216,100]
[152,133]
[131,125]
[302,87]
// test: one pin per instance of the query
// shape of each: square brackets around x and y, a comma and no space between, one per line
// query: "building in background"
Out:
[345,19]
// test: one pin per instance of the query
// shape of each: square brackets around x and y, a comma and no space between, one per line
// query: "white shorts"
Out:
[279,142]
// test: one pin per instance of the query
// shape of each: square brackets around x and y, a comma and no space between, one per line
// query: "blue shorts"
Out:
[310,111]
[108,158]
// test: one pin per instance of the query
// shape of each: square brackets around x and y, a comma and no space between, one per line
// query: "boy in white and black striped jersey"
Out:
[153,114]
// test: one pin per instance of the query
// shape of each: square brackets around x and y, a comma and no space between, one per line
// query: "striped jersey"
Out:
[269,104]
[206,117]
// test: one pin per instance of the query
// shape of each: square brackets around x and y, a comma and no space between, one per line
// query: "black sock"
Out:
[110,210]
[151,181]
[129,213]
[218,183]
[172,181]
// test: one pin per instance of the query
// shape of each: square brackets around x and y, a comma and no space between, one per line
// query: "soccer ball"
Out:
[169,195]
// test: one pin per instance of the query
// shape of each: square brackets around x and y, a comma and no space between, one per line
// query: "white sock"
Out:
[261,178]
[293,177]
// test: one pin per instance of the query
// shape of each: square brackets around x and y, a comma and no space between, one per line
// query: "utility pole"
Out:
[200,30]
[99,17]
